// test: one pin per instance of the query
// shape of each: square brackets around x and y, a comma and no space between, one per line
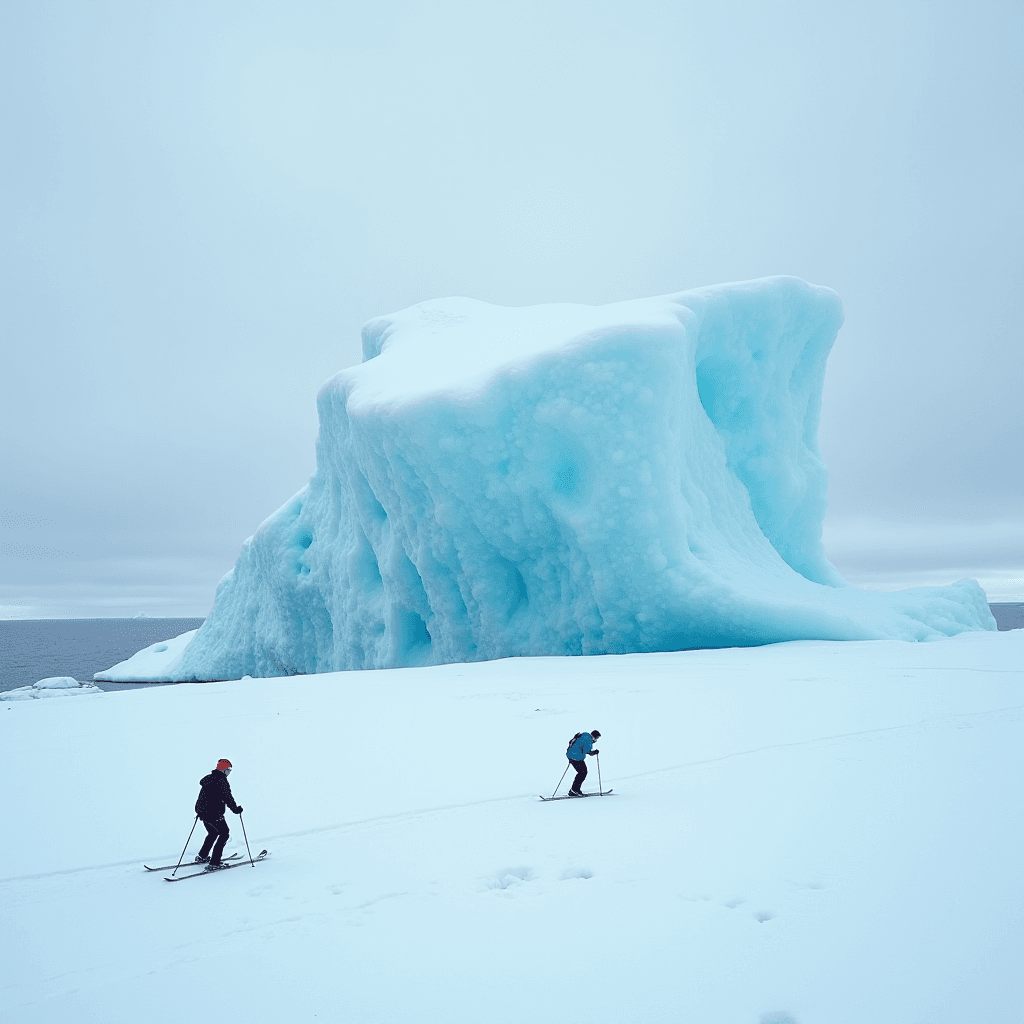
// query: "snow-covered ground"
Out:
[812,832]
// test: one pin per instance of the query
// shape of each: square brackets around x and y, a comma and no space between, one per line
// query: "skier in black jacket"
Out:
[213,796]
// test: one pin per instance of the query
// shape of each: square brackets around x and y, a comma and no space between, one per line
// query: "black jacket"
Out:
[214,794]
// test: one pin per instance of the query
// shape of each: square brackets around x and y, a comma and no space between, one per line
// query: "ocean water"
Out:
[1009,615]
[32,649]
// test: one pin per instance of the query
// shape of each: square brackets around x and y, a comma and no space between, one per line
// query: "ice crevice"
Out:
[562,479]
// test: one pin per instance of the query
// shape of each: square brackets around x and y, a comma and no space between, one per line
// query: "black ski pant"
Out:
[581,774]
[216,829]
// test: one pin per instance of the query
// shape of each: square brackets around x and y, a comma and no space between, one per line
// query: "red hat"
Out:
[223,763]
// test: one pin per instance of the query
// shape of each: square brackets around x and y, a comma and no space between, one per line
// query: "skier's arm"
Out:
[229,798]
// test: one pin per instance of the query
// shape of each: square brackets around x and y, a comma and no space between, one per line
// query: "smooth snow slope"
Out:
[564,479]
[826,832]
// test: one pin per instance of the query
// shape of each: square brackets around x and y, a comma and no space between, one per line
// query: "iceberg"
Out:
[562,479]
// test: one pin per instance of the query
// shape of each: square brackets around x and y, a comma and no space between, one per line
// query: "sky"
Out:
[201,203]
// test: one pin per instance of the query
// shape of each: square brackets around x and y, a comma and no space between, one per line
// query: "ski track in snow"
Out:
[812,874]
[1012,713]
[504,881]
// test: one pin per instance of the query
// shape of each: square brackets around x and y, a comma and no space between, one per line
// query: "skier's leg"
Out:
[581,774]
[222,837]
[211,835]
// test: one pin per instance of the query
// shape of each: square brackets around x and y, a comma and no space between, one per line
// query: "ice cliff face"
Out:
[563,479]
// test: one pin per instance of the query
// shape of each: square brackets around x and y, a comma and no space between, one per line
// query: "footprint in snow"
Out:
[575,873]
[509,878]
[734,902]
[763,915]
[809,885]
[776,1017]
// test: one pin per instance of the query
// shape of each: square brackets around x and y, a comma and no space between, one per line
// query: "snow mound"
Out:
[151,665]
[562,479]
[54,686]
[57,683]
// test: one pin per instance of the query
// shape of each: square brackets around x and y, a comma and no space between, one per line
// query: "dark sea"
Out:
[32,649]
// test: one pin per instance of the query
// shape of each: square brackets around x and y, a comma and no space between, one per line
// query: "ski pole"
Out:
[600,788]
[247,850]
[187,841]
[559,782]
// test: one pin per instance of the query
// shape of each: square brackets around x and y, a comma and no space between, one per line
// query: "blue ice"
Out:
[563,480]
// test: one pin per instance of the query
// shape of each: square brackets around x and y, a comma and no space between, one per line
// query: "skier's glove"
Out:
[594,752]
[240,808]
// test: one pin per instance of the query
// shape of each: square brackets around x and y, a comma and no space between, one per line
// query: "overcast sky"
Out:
[201,203]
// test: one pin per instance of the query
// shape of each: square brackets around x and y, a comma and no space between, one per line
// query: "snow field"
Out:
[822,832]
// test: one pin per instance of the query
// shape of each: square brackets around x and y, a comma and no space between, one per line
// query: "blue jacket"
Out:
[583,746]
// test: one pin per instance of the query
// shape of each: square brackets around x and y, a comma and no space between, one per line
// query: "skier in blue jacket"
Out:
[579,749]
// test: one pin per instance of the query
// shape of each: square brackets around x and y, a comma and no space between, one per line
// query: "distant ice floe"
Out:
[560,480]
[55,686]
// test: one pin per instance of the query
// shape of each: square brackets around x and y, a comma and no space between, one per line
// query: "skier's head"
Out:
[595,734]
[224,765]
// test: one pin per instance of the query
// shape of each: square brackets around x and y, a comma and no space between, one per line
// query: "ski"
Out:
[227,867]
[549,799]
[187,863]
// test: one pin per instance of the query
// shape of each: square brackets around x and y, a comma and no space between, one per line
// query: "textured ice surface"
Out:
[562,479]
